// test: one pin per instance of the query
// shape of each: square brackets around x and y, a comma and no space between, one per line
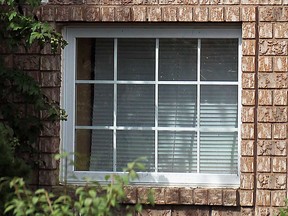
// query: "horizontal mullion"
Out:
[136,128]
[218,129]
[158,82]
[202,129]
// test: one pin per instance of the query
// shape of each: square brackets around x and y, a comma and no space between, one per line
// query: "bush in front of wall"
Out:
[92,199]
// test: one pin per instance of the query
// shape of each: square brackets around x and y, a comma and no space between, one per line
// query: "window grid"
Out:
[156,102]
[198,103]
[115,106]
[156,83]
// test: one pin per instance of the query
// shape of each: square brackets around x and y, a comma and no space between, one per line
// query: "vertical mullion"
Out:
[115,105]
[156,103]
[239,101]
[198,103]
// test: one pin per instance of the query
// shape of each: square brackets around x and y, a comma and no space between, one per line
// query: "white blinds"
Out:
[178,115]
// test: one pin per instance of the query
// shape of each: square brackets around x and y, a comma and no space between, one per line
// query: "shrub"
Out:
[91,199]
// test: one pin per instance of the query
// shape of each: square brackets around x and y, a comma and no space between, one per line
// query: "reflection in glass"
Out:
[218,106]
[132,145]
[177,151]
[136,59]
[136,105]
[218,152]
[177,59]
[177,106]
[219,59]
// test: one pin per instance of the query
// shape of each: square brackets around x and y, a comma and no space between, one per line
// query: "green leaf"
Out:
[92,193]
[87,201]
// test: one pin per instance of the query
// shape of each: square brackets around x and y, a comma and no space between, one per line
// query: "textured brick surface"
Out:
[264,112]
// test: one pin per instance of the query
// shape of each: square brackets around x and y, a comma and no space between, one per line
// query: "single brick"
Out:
[248,63]
[159,195]
[280,97]
[62,13]
[172,195]
[248,13]
[107,14]
[247,131]
[248,80]
[47,161]
[278,198]
[248,47]
[215,197]
[264,147]
[139,14]
[273,80]
[280,63]
[265,64]
[247,181]
[130,194]
[248,30]
[264,131]
[279,164]
[247,147]
[186,195]
[185,14]
[200,196]
[122,14]
[232,14]
[229,197]
[246,197]
[280,131]
[216,14]
[265,30]
[263,197]
[248,97]
[247,114]
[264,180]
[263,164]
[278,181]
[91,13]
[200,14]
[49,144]
[265,97]
[50,62]
[247,164]
[273,47]
[169,14]
[154,14]
[280,30]
[279,147]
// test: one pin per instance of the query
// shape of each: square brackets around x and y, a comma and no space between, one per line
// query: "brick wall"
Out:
[263,186]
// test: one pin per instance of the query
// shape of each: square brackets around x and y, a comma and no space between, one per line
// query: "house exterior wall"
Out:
[263,180]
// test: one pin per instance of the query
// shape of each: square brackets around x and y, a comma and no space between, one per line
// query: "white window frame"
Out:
[68,174]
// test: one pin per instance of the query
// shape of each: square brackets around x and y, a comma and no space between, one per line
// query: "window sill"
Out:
[175,195]
[184,195]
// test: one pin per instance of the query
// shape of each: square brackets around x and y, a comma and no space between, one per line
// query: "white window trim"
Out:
[155,31]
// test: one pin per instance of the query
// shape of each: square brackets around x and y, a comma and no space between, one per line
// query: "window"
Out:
[168,93]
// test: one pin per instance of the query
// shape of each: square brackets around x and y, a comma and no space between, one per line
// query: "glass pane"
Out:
[134,144]
[94,104]
[219,59]
[136,105]
[177,59]
[219,153]
[85,63]
[101,150]
[95,59]
[136,59]
[219,106]
[177,106]
[82,149]
[177,151]
[104,59]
